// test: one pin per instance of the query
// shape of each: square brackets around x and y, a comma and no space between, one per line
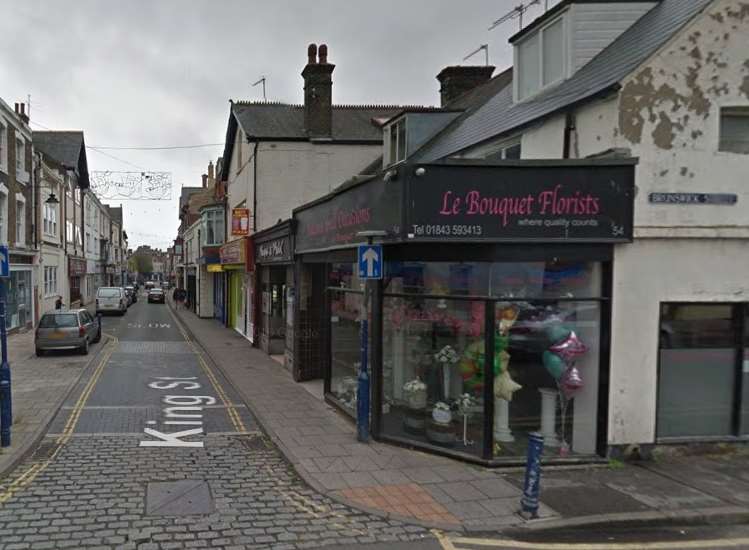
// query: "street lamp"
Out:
[52,199]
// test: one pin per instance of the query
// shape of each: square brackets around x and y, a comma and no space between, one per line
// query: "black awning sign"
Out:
[693,198]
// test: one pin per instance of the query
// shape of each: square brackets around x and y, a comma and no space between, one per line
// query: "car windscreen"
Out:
[109,293]
[59,320]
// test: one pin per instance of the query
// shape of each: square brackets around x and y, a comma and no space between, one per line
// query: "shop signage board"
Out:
[571,202]
[240,221]
[276,250]
[370,260]
[76,267]
[335,222]
[4,262]
[693,198]
[233,252]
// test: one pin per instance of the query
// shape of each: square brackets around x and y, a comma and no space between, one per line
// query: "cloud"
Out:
[148,73]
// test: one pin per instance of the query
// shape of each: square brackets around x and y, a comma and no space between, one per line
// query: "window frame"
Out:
[215,218]
[398,130]
[4,214]
[20,220]
[540,34]
[737,111]
[3,146]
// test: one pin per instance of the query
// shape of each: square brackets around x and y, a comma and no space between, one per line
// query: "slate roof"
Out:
[499,115]
[67,148]
[267,120]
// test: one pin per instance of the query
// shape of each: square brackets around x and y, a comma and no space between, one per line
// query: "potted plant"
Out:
[415,392]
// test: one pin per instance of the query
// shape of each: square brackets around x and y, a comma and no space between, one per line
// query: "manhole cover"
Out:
[187,497]
[256,443]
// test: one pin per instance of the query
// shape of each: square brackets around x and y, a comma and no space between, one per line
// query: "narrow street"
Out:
[202,476]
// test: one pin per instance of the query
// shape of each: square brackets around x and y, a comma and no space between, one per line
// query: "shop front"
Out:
[492,318]
[76,276]
[237,261]
[275,274]
[20,307]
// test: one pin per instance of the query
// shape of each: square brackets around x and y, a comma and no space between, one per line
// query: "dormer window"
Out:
[541,59]
[397,141]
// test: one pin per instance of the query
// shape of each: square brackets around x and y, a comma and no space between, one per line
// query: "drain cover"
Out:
[186,497]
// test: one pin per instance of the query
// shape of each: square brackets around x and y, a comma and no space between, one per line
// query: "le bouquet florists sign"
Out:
[525,202]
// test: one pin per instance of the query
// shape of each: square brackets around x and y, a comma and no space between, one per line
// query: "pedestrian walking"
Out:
[58,303]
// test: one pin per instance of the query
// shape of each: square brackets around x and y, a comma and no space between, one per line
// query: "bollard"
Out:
[6,410]
[532,485]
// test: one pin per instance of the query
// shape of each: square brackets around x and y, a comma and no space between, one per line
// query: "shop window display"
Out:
[432,371]
[345,358]
[546,355]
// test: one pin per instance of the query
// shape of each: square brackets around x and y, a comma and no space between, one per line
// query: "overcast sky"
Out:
[154,73]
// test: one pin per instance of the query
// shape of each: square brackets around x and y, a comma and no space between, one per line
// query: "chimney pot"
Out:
[23,109]
[312,54]
[205,180]
[323,54]
[18,109]
[210,170]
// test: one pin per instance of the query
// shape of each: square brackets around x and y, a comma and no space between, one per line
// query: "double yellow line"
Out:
[234,416]
[35,469]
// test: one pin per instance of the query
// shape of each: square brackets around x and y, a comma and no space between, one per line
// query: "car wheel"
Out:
[98,337]
[39,352]
[84,347]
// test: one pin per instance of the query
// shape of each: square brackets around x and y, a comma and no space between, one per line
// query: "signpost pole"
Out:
[370,269]
[6,411]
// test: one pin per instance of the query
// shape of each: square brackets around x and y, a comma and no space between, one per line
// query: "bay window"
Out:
[213,231]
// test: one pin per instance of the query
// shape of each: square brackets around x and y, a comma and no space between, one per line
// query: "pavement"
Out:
[409,485]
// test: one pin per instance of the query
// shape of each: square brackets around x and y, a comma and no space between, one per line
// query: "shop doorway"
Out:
[274,310]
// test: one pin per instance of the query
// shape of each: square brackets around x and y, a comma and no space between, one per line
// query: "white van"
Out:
[111,298]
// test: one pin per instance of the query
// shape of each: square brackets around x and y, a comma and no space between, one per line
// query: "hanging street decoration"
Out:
[109,185]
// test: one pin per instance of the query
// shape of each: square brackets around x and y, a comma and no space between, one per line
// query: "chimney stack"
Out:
[205,180]
[459,79]
[211,175]
[318,93]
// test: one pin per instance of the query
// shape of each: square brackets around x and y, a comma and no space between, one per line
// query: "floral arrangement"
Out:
[447,355]
[465,402]
[414,386]
[416,393]
[441,413]
[441,406]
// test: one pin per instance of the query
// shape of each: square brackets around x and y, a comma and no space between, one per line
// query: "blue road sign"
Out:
[4,262]
[370,261]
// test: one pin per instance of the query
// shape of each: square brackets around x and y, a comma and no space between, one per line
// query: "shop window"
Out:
[697,370]
[19,299]
[344,275]
[547,325]
[433,372]
[498,279]
[345,356]
[734,130]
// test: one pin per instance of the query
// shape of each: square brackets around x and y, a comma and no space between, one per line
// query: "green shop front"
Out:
[492,318]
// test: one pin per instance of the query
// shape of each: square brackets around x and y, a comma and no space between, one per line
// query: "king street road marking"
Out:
[149,325]
[30,474]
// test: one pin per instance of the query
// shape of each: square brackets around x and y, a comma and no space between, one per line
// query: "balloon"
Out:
[557,332]
[554,364]
[504,386]
[569,348]
[571,382]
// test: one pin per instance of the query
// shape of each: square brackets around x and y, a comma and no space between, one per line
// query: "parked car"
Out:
[165,285]
[111,298]
[156,295]
[132,293]
[71,329]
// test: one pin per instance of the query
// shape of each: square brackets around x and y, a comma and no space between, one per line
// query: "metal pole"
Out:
[362,389]
[532,485]
[6,410]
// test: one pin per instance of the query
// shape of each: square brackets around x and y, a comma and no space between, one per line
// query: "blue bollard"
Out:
[362,388]
[6,410]
[532,485]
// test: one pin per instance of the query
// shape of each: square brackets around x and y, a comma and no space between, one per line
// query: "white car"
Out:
[111,299]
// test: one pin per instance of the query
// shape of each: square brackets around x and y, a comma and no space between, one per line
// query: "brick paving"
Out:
[93,494]
[321,444]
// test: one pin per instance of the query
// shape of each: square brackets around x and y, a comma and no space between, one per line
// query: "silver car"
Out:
[67,329]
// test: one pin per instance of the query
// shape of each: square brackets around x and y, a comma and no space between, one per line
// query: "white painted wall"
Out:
[545,140]
[293,173]
[648,272]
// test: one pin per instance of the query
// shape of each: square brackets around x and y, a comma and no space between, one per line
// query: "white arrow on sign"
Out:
[370,256]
